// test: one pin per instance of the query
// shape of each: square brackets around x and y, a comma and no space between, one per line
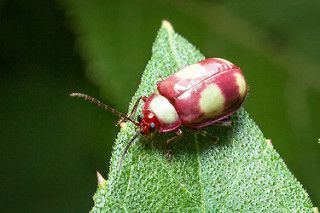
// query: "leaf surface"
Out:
[241,173]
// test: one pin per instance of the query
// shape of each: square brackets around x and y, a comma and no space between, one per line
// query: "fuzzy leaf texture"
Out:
[241,173]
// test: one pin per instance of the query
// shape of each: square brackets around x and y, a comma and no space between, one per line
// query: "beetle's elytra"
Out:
[196,96]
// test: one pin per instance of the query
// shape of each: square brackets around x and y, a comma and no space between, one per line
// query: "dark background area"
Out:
[51,145]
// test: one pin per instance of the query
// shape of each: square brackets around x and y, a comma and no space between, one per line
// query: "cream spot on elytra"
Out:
[241,83]
[212,101]
[163,109]
[227,63]
[191,72]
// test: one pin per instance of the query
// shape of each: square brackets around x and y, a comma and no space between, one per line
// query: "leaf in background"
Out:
[241,173]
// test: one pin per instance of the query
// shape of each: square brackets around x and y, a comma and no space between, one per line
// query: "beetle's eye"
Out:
[152,126]
[140,117]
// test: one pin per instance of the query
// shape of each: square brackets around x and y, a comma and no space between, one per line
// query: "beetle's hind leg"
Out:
[178,135]
[213,139]
[225,122]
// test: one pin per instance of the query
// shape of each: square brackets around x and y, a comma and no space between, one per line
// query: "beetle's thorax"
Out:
[164,111]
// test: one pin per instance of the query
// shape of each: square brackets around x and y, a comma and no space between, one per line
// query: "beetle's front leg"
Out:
[135,106]
[134,109]
[161,78]
[179,134]
[148,139]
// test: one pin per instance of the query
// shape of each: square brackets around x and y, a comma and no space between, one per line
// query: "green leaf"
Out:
[241,173]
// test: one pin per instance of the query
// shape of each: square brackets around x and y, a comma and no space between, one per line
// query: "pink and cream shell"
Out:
[198,95]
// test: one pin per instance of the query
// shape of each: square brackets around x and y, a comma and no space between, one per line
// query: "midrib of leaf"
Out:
[172,43]
[179,64]
[203,206]
[199,178]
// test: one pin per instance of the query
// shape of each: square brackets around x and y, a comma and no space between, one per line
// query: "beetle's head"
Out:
[148,122]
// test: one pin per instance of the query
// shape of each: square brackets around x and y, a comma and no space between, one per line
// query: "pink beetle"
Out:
[196,96]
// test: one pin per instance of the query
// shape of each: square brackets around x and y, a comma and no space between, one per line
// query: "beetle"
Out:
[198,95]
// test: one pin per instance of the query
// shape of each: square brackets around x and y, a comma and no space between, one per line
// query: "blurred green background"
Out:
[51,145]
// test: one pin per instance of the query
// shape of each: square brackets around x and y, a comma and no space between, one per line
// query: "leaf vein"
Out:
[173,48]
[128,187]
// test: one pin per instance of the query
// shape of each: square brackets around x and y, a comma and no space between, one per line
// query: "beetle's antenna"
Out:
[127,147]
[103,106]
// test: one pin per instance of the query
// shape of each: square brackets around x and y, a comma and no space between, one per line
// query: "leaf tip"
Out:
[101,181]
[167,25]
[315,210]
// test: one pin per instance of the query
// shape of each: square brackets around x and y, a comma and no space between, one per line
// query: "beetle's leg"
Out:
[214,139]
[179,134]
[148,139]
[225,122]
[134,109]
[160,76]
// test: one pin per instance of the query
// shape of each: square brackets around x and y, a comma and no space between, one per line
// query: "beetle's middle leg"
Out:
[178,135]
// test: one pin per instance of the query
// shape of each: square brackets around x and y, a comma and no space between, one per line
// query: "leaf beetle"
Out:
[198,95]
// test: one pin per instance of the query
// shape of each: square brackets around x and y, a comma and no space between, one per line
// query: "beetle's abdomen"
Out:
[216,96]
